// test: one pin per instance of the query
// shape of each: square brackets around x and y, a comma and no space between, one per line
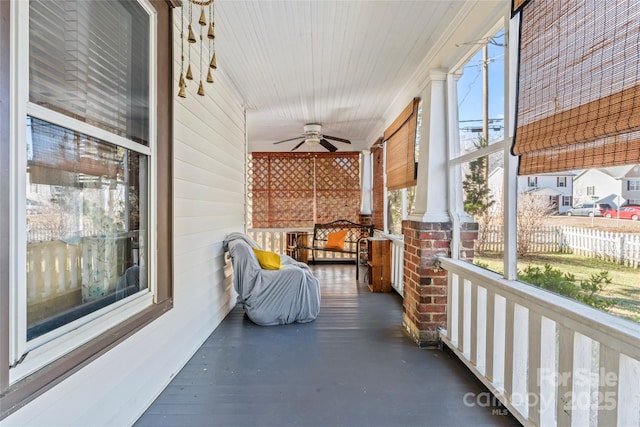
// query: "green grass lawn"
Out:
[624,288]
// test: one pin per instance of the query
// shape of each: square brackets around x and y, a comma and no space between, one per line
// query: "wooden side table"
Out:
[295,240]
[379,264]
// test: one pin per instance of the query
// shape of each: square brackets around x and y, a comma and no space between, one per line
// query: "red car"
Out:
[625,212]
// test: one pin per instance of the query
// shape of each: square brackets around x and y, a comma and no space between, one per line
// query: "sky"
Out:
[470,93]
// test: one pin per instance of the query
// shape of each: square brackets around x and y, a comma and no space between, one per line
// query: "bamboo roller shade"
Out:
[579,85]
[401,140]
[377,199]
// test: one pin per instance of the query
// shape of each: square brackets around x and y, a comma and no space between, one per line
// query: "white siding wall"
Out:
[209,157]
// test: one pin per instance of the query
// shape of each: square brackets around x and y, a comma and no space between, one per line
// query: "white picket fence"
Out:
[622,248]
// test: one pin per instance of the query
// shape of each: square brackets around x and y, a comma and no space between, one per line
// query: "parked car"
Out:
[626,212]
[589,209]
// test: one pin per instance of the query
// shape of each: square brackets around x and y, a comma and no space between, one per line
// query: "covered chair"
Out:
[272,297]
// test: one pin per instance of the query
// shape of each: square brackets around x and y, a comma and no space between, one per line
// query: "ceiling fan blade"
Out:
[329,146]
[286,140]
[298,146]
[346,141]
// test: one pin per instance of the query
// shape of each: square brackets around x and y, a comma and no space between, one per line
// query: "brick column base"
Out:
[365,219]
[425,285]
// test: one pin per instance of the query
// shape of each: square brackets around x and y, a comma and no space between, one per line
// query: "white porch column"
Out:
[432,186]
[366,180]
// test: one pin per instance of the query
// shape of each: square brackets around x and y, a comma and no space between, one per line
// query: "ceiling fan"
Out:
[312,135]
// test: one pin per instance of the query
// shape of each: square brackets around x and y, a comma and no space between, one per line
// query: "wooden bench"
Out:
[356,233]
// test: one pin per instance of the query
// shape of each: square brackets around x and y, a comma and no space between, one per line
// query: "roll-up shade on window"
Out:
[517,4]
[377,199]
[401,141]
[579,85]
[90,60]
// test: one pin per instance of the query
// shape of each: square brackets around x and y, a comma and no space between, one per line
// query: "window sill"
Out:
[29,381]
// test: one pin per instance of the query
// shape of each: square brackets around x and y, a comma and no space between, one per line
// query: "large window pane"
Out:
[474,102]
[590,254]
[482,191]
[90,61]
[400,204]
[86,226]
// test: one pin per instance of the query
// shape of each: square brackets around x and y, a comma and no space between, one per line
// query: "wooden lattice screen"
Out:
[284,194]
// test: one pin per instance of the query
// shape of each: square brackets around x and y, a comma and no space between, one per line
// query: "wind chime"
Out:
[191,39]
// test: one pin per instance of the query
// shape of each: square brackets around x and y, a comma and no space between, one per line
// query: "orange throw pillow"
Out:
[336,240]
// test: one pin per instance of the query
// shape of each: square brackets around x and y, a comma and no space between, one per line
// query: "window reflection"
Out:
[85,237]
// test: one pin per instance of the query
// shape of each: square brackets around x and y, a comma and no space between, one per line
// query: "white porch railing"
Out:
[275,240]
[61,275]
[549,360]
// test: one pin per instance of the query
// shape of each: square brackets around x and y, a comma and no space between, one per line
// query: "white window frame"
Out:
[633,185]
[509,194]
[51,346]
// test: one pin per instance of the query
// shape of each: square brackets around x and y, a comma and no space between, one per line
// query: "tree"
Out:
[532,211]
[478,197]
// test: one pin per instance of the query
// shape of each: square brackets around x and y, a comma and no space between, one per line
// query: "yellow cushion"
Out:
[336,240]
[268,260]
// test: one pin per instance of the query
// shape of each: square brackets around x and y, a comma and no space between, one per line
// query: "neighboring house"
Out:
[631,186]
[597,184]
[496,184]
[558,187]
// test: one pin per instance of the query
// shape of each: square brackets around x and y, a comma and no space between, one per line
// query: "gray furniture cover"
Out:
[272,297]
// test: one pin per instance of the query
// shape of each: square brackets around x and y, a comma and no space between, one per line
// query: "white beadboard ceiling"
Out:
[342,64]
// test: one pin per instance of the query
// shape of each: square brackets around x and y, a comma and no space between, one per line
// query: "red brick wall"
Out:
[365,219]
[468,237]
[425,284]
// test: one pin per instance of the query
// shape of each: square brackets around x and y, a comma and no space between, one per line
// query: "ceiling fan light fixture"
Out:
[313,140]
[312,128]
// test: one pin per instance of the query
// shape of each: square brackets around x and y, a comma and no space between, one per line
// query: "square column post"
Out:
[428,232]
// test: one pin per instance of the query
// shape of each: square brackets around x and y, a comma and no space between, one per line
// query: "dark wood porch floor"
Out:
[352,366]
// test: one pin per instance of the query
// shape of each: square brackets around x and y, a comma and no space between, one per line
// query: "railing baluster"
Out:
[581,375]
[534,391]
[479,330]
[473,326]
[520,358]
[499,333]
[460,293]
[488,367]
[547,373]
[628,391]
[608,392]
[509,348]
[564,376]
[466,336]
[451,317]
